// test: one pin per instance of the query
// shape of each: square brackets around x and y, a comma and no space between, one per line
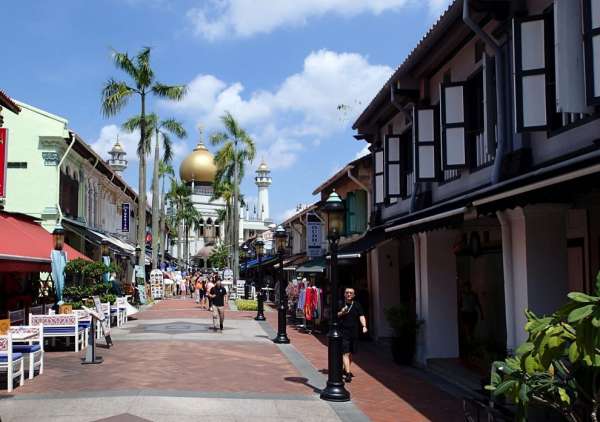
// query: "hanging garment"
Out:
[310,304]
[301,299]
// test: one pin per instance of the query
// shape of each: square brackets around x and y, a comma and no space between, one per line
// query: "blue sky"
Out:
[280,66]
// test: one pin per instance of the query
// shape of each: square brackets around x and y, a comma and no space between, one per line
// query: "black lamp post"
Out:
[245,250]
[138,254]
[281,241]
[259,248]
[334,391]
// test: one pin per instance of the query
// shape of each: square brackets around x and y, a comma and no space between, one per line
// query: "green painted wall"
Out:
[34,190]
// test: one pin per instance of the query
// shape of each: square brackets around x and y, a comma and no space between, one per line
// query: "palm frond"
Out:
[165,168]
[175,127]
[144,74]
[135,122]
[219,138]
[123,62]
[172,92]
[167,147]
[115,95]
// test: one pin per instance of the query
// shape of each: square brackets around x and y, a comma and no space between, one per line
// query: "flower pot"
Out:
[403,350]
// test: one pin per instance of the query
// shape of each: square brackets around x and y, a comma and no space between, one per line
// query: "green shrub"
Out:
[246,305]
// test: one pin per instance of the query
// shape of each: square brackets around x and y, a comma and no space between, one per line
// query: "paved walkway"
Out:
[168,365]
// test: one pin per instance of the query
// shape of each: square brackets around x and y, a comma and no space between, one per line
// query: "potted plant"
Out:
[405,326]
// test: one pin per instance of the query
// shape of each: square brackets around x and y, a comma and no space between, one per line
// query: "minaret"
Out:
[263,181]
[117,159]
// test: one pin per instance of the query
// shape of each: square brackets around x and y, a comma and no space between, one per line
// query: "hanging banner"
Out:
[3,160]
[125,217]
[314,236]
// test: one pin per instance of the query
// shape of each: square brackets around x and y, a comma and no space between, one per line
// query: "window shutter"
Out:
[425,124]
[452,110]
[530,63]
[568,58]
[379,185]
[591,22]
[490,115]
[392,166]
[360,210]
[350,213]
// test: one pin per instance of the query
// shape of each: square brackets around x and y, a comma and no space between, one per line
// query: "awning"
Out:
[365,243]
[25,246]
[291,262]
[316,265]
[254,262]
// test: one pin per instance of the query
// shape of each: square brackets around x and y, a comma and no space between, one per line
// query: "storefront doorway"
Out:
[481,309]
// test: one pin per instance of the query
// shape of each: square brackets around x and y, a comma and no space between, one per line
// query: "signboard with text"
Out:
[125,217]
[3,159]
[314,236]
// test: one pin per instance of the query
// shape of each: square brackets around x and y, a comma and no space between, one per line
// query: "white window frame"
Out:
[421,142]
[452,118]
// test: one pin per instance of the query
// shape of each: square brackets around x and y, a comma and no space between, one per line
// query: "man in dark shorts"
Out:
[218,294]
[351,315]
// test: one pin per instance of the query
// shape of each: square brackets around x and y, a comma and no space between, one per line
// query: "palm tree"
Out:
[116,95]
[178,195]
[191,219]
[236,148]
[161,129]
[164,169]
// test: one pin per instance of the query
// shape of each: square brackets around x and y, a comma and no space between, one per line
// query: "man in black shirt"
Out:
[350,316]
[218,294]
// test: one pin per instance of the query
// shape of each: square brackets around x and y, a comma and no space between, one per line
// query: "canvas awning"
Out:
[25,245]
[316,265]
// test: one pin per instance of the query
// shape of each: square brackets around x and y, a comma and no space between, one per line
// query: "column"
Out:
[534,249]
[436,295]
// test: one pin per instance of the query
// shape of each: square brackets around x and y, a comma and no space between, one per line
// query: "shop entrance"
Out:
[481,309]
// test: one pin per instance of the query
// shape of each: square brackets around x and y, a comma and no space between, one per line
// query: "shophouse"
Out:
[56,177]
[486,172]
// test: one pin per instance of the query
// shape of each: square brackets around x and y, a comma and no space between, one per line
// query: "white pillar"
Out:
[534,250]
[435,271]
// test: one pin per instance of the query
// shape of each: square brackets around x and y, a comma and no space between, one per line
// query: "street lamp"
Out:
[104,251]
[58,237]
[138,254]
[334,391]
[245,250]
[281,242]
[259,246]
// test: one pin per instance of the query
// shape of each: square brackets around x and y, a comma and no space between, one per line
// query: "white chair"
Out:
[10,362]
[121,306]
[85,322]
[31,348]
[61,325]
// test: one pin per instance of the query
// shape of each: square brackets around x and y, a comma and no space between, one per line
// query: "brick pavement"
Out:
[383,391]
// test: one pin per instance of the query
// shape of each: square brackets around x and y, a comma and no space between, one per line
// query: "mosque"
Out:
[198,171]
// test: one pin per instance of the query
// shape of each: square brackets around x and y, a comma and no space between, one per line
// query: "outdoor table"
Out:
[20,336]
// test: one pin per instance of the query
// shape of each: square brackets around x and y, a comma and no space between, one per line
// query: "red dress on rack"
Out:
[310,303]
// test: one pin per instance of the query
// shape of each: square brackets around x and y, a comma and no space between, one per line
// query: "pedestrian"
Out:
[218,294]
[351,315]
[209,286]
[198,287]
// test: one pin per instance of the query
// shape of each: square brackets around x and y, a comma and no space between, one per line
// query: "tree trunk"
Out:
[162,220]
[141,232]
[186,246]
[155,200]
[179,243]
[236,219]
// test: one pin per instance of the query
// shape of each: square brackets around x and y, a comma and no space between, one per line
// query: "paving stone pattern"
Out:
[168,365]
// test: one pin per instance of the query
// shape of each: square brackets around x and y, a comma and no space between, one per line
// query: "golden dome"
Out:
[199,166]
[117,147]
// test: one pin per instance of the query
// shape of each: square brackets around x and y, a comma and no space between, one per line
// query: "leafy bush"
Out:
[559,364]
[246,305]
[84,279]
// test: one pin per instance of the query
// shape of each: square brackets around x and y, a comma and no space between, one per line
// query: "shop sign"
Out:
[314,238]
[50,158]
[125,217]
[3,159]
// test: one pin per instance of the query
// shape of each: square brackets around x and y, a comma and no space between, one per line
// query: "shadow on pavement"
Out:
[304,381]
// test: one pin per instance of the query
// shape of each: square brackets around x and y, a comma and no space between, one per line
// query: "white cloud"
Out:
[219,19]
[364,151]
[288,213]
[244,18]
[302,110]
[108,135]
